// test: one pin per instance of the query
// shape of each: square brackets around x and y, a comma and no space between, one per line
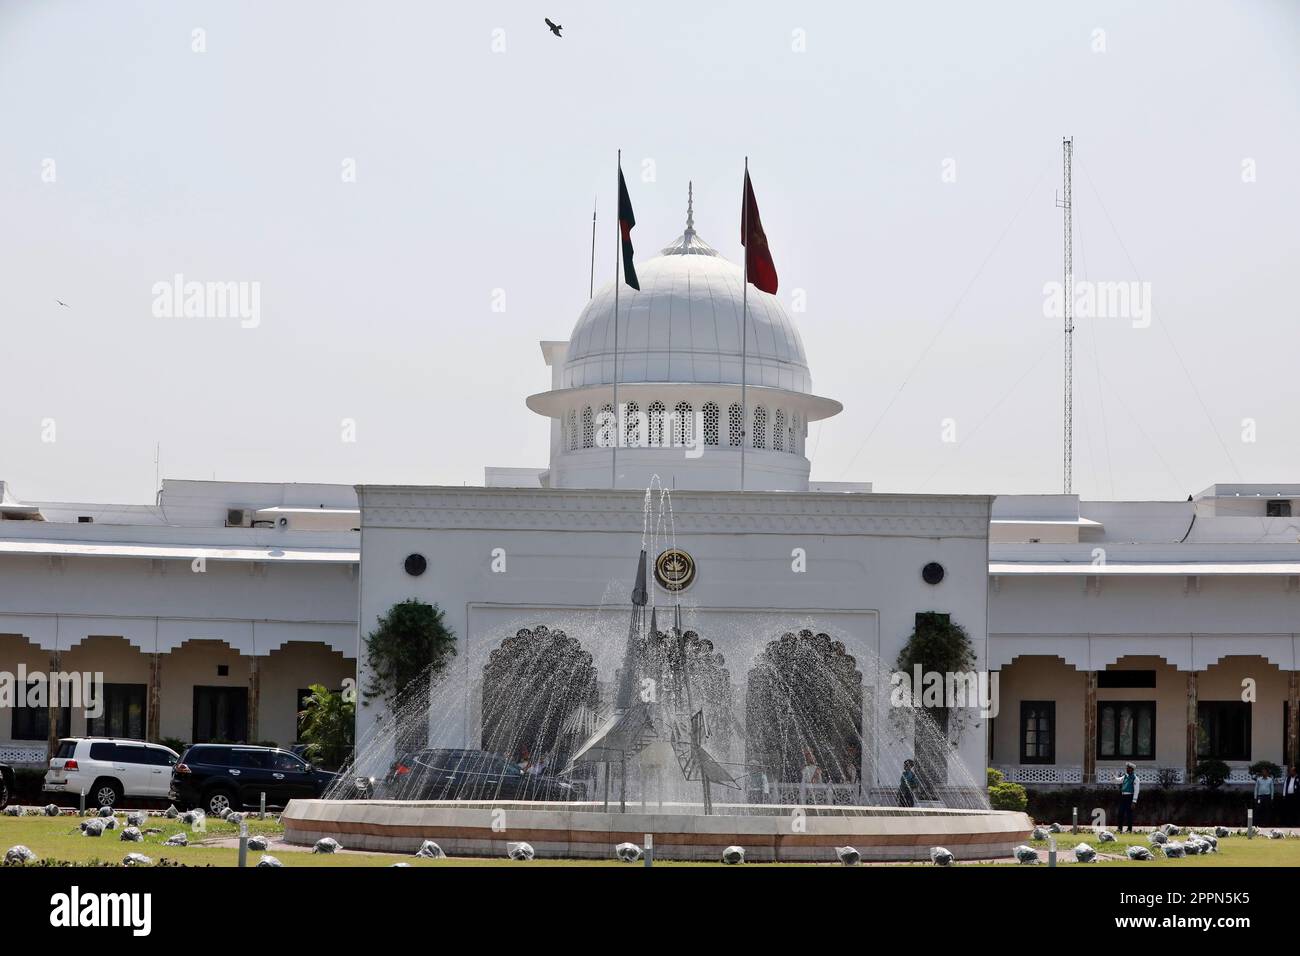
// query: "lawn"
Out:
[58,838]
[1234,850]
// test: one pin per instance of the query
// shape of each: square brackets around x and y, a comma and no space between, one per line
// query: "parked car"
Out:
[107,769]
[217,777]
[468,775]
[6,784]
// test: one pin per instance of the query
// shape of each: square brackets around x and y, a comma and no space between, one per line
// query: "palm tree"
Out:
[328,721]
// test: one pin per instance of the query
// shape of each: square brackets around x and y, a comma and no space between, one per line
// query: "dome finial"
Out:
[690,209]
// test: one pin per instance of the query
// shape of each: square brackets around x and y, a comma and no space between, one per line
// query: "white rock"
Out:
[1025,854]
[1105,836]
[105,811]
[519,851]
[941,856]
[327,845]
[733,854]
[268,860]
[131,835]
[177,839]
[17,855]
[848,855]
[1139,853]
[628,852]
[135,819]
[258,843]
[1084,853]
[1158,836]
[51,810]
[137,859]
[1174,850]
[172,813]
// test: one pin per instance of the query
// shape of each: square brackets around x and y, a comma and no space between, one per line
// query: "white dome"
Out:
[684,326]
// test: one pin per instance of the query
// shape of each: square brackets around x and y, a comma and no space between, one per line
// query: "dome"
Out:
[684,326]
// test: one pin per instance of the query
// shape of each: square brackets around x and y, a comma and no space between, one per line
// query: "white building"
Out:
[207,613]
[558,546]
[1157,632]
[1119,630]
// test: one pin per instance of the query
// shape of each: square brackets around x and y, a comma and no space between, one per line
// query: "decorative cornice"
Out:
[695,512]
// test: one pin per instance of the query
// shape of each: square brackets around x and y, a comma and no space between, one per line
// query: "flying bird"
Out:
[62,303]
[555,27]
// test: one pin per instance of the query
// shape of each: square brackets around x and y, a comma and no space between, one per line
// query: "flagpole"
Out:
[591,282]
[618,248]
[744,325]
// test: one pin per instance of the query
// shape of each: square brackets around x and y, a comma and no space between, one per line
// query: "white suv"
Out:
[106,769]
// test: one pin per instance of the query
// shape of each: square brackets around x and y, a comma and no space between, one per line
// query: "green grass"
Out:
[1233,850]
[59,838]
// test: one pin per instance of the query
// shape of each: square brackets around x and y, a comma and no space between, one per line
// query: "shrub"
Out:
[1166,777]
[328,720]
[1008,796]
[1212,773]
[996,777]
[410,642]
[175,743]
[1265,768]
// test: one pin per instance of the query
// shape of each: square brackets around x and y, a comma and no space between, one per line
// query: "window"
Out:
[632,432]
[711,419]
[736,428]
[1126,729]
[1038,731]
[1126,680]
[573,429]
[123,713]
[794,425]
[103,751]
[606,427]
[32,721]
[1223,730]
[1277,509]
[220,714]
[588,435]
[656,424]
[140,754]
[778,431]
[685,424]
[287,761]
[760,427]
[250,759]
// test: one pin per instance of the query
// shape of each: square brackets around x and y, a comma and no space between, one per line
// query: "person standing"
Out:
[1264,799]
[1129,787]
[1291,797]
[908,784]
[811,776]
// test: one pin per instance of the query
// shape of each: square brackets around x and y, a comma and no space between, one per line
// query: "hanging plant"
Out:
[937,646]
[411,642]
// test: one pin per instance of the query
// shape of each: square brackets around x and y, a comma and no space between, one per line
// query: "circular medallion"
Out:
[932,573]
[674,570]
[415,565]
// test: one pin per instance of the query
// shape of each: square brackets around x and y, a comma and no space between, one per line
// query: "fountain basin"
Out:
[681,832]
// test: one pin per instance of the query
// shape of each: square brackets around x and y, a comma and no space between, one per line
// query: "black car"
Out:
[468,775]
[6,784]
[215,777]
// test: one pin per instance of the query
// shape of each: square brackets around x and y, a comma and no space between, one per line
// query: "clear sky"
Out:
[906,158]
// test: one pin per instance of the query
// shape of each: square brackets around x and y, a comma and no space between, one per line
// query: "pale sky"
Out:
[906,158]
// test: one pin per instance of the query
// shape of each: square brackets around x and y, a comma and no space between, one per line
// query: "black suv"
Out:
[217,777]
[6,784]
[468,775]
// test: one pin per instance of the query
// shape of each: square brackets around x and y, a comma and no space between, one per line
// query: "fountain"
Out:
[796,773]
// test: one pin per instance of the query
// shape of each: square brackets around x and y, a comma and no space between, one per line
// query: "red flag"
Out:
[758,257]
